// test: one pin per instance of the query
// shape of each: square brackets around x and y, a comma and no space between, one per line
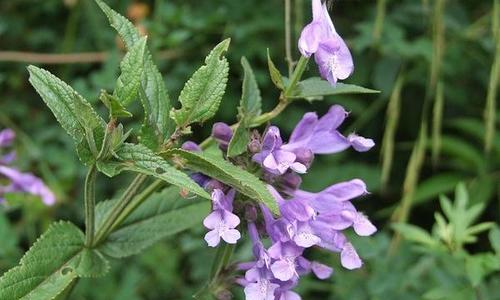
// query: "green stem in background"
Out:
[117,210]
[89,199]
[288,36]
[379,21]
[437,120]
[490,108]
[299,17]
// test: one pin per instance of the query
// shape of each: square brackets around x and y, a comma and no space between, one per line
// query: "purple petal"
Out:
[283,270]
[296,210]
[261,290]
[332,119]
[299,168]
[305,236]
[231,236]
[328,142]
[349,257]
[360,143]
[231,220]
[213,238]
[334,59]
[362,226]
[8,158]
[289,295]
[304,129]
[346,190]
[320,270]
[310,38]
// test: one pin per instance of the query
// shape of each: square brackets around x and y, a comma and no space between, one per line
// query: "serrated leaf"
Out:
[132,65]
[138,158]
[276,76]
[51,264]
[72,111]
[157,125]
[224,171]
[315,87]
[239,141]
[164,214]
[202,94]
[494,237]
[115,107]
[91,263]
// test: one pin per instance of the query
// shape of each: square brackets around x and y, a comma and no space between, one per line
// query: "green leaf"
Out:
[239,141]
[51,264]
[157,125]
[138,158]
[494,236]
[115,107]
[8,246]
[72,111]
[415,234]
[430,188]
[251,101]
[163,214]
[250,107]
[276,76]
[227,173]
[132,65]
[315,87]
[202,94]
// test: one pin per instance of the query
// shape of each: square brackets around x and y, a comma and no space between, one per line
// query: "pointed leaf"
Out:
[163,214]
[226,172]
[315,87]
[132,65]
[276,76]
[251,101]
[202,94]
[72,111]
[239,141]
[154,96]
[138,158]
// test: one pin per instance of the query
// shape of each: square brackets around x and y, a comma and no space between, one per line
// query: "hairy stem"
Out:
[117,210]
[89,199]
[296,76]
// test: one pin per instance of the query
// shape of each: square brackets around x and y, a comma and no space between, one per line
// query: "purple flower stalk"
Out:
[330,51]
[221,221]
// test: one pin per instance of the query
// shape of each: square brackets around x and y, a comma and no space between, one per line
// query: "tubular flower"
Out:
[330,51]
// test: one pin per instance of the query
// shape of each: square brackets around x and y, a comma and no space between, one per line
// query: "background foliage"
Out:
[435,63]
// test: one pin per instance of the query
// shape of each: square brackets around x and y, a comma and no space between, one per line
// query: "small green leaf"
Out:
[163,214]
[239,141]
[51,264]
[415,234]
[115,107]
[72,111]
[157,126]
[227,173]
[202,94]
[251,101]
[132,65]
[276,76]
[138,158]
[91,263]
[315,87]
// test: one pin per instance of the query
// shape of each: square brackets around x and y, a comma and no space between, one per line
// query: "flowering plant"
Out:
[250,175]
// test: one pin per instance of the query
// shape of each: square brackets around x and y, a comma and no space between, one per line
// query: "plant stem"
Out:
[89,198]
[148,191]
[296,76]
[117,210]
[288,36]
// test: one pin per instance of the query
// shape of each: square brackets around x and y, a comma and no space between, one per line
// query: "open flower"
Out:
[221,221]
[330,51]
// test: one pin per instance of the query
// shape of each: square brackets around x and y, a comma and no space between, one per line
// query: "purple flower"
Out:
[285,254]
[320,136]
[221,221]
[330,51]
[6,137]
[273,158]
[26,183]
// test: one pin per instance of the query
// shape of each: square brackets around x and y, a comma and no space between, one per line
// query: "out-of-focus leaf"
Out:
[434,186]
[162,215]
[414,233]
[494,236]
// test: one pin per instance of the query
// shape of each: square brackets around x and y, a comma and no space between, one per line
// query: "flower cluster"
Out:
[16,180]
[306,219]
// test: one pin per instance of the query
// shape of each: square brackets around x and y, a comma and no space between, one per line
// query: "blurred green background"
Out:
[436,63]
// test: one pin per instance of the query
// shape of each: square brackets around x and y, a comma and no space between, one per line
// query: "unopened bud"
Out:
[191,146]
[250,213]
[304,156]
[222,133]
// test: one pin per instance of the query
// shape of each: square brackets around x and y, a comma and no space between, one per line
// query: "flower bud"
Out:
[290,182]
[250,213]
[222,133]
[191,146]
[7,137]
[304,156]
